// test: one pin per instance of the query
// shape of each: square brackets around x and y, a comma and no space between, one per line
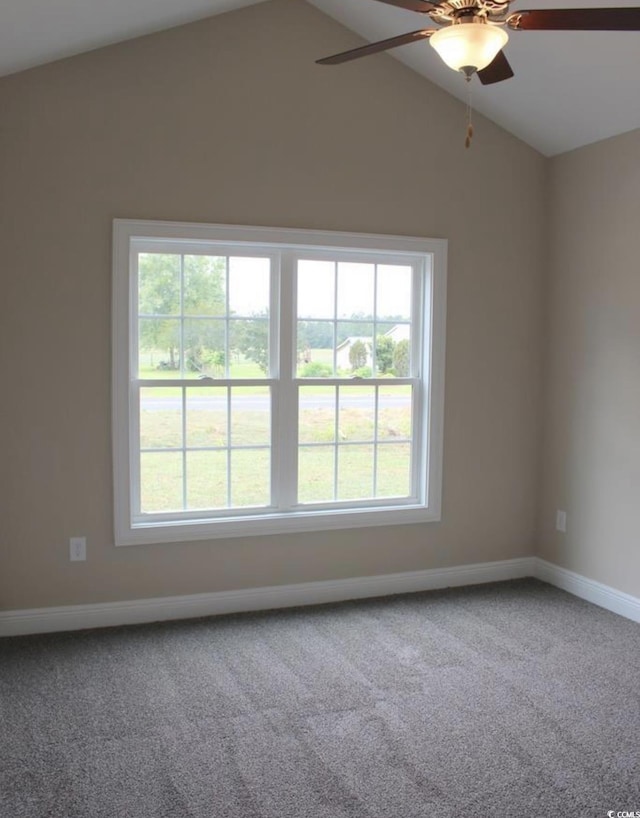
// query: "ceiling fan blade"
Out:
[421,6]
[497,70]
[607,19]
[373,48]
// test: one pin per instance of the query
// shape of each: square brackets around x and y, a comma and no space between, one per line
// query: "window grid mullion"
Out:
[227,351]
[174,449]
[374,352]
[133,383]
[420,351]
[336,439]
[184,447]
[202,383]
[286,398]
[275,373]
[374,371]
[417,439]
[335,317]
[375,440]
[229,446]
[181,351]
[416,357]
[136,465]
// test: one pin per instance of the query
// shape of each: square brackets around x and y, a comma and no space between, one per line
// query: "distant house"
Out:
[399,332]
[343,350]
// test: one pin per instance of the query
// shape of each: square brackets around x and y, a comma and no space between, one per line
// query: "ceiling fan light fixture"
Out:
[469,47]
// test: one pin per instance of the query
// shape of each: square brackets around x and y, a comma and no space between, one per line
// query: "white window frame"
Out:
[428,344]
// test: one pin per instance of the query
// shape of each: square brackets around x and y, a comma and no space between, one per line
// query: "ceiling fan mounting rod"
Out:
[469,16]
[469,11]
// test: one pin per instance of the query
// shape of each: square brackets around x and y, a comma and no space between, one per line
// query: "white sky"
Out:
[249,288]
[316,289]
[248,285]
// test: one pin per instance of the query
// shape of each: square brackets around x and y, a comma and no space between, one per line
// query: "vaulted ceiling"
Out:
[569,88]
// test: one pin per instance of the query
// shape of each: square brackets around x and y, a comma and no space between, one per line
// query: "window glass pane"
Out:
[316,474]
[315,349]
[158,284]
[160,482]
[393,294]
[207,480]
[204,285]
[353,352]
[393,470]
[316,289]
[207,417]
[159,348]
[317,414]
[249,286]
[250,477]
[355,472]
[394,412]
[355,290]
[204,348]
[161,418]
[249,348]
[250,416]
[356,419]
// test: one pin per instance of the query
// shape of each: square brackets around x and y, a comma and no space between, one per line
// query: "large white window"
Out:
[270,380]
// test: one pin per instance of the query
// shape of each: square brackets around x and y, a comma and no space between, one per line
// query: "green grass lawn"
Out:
[206,483]
[172,480]
[206,471]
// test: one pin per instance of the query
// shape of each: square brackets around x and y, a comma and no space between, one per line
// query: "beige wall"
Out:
[229,120]
[592,413]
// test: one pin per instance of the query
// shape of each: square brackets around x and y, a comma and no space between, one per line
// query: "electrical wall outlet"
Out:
[561,521]
[77,549]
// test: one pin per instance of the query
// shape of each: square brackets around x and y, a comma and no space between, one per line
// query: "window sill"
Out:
[266,524]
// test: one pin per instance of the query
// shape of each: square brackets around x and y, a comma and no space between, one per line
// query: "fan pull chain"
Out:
[469,137]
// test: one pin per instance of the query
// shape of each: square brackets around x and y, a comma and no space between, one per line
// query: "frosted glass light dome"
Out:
[469,47]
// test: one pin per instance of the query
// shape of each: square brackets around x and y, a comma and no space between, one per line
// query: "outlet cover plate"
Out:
[561,521]
[77,549]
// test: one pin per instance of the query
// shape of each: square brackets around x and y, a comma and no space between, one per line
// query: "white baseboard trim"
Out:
[130,612]
[107,614]
[602,595]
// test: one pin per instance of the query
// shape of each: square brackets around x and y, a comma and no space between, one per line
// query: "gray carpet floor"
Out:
[509,699]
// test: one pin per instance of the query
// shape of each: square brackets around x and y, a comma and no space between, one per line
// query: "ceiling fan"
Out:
[472,32]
